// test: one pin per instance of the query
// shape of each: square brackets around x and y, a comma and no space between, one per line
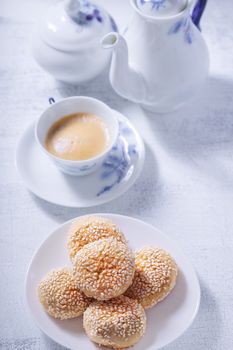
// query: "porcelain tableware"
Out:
[70,105]
[165,322]
[161,60]
[114,177]
[66,41]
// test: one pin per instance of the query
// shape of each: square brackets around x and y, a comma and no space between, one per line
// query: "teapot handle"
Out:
[198,12]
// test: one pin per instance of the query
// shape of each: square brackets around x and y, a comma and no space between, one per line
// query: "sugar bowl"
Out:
[66,41]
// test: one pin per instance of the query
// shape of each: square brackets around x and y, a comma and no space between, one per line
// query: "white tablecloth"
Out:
[186,188]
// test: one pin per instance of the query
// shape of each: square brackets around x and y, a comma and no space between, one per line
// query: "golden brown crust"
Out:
[89,229]
[104,269]
[118,323]
[155,276]
[60,296]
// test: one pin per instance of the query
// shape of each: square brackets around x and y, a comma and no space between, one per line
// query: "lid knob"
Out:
[161,8]
[72,8]
[82,11]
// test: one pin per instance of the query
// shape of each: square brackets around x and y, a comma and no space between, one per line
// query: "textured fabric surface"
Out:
[186,188]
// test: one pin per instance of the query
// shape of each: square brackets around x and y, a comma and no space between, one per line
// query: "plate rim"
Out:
[119,193]
[113,216]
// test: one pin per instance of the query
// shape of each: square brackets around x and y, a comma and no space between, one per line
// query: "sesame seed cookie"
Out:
[155,276]
[118,323]
[60,296]
[104,269]
[89,229]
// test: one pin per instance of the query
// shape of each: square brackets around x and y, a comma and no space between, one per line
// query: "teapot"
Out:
[66,42]
[161,60]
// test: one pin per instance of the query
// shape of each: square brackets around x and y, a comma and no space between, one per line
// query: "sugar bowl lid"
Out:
[161,8]
[71,25]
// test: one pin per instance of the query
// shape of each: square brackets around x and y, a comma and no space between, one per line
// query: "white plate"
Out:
[115,176]
[166,322]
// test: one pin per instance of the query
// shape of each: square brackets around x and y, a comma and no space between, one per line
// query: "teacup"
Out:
[69,106]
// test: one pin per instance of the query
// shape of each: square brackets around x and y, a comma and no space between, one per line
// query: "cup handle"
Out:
[51,100]
[198,12]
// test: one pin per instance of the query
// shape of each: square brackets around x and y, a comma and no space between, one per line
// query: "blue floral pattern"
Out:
[85,14]
[155,4]
[119,162]
[183,25]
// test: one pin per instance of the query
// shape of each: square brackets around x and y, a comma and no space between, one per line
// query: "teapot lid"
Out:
[161,8]
[73,24]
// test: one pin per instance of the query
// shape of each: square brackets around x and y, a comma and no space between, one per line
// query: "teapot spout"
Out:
[125,80]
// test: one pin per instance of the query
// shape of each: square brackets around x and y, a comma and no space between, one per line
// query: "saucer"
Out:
[115,176]
[165,322]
